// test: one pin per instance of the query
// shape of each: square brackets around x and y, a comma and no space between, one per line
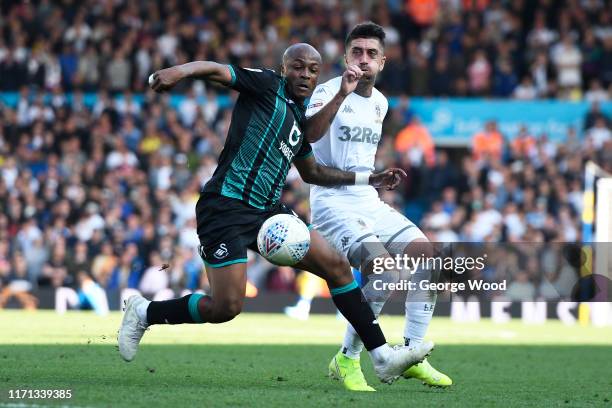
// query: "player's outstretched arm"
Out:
[314,173]
[318,124]
[165,79]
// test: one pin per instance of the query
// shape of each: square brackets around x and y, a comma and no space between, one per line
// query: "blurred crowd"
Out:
[104,192]
[509,188]
[503,48]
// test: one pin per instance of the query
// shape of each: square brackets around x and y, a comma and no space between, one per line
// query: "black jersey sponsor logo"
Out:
[286,150]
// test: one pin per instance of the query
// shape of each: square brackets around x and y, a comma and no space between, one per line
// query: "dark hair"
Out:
[366,30]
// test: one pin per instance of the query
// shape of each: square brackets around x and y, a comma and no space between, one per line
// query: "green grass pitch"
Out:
[272,361]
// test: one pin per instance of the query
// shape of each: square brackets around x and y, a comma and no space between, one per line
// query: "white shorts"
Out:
[346,222]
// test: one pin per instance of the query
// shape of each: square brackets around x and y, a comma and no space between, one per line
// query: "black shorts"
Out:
[227,227]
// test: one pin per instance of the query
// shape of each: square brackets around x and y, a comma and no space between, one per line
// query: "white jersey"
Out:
[349,215]
[352,139]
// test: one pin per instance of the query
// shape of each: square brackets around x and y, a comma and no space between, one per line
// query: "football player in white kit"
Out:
[344,126]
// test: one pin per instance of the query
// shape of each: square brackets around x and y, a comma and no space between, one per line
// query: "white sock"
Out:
[352,346]
[304,304]
[419,309]
[381,353]
[141,311]
[418,316]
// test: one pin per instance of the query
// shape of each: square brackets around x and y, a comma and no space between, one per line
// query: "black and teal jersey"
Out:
[264,137]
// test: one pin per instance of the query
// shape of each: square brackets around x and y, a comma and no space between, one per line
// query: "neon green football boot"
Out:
[348,371]
[428,375]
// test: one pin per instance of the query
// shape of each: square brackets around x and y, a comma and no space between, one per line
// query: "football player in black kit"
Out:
[265,137]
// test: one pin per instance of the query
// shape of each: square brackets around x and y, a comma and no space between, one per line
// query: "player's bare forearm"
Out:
[314,173]
[207,70]
[318,124]
[329,176]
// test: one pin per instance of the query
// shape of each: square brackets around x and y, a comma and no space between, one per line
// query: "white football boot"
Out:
[400,359]
[297,312]
[132,329]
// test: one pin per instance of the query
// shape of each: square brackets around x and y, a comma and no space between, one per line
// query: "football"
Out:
[283,239]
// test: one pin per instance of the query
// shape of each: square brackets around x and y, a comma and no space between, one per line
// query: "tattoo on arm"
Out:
[329,176]
[314,173]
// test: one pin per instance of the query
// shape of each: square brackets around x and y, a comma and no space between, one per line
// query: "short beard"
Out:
[365,81]
[363,85]
[370,79]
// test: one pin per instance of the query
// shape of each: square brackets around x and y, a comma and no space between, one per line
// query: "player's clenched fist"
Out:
[389,179]
[350,78]
[165,79]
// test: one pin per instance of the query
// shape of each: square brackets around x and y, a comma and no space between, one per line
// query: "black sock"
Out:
[350,302]
[176,311]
